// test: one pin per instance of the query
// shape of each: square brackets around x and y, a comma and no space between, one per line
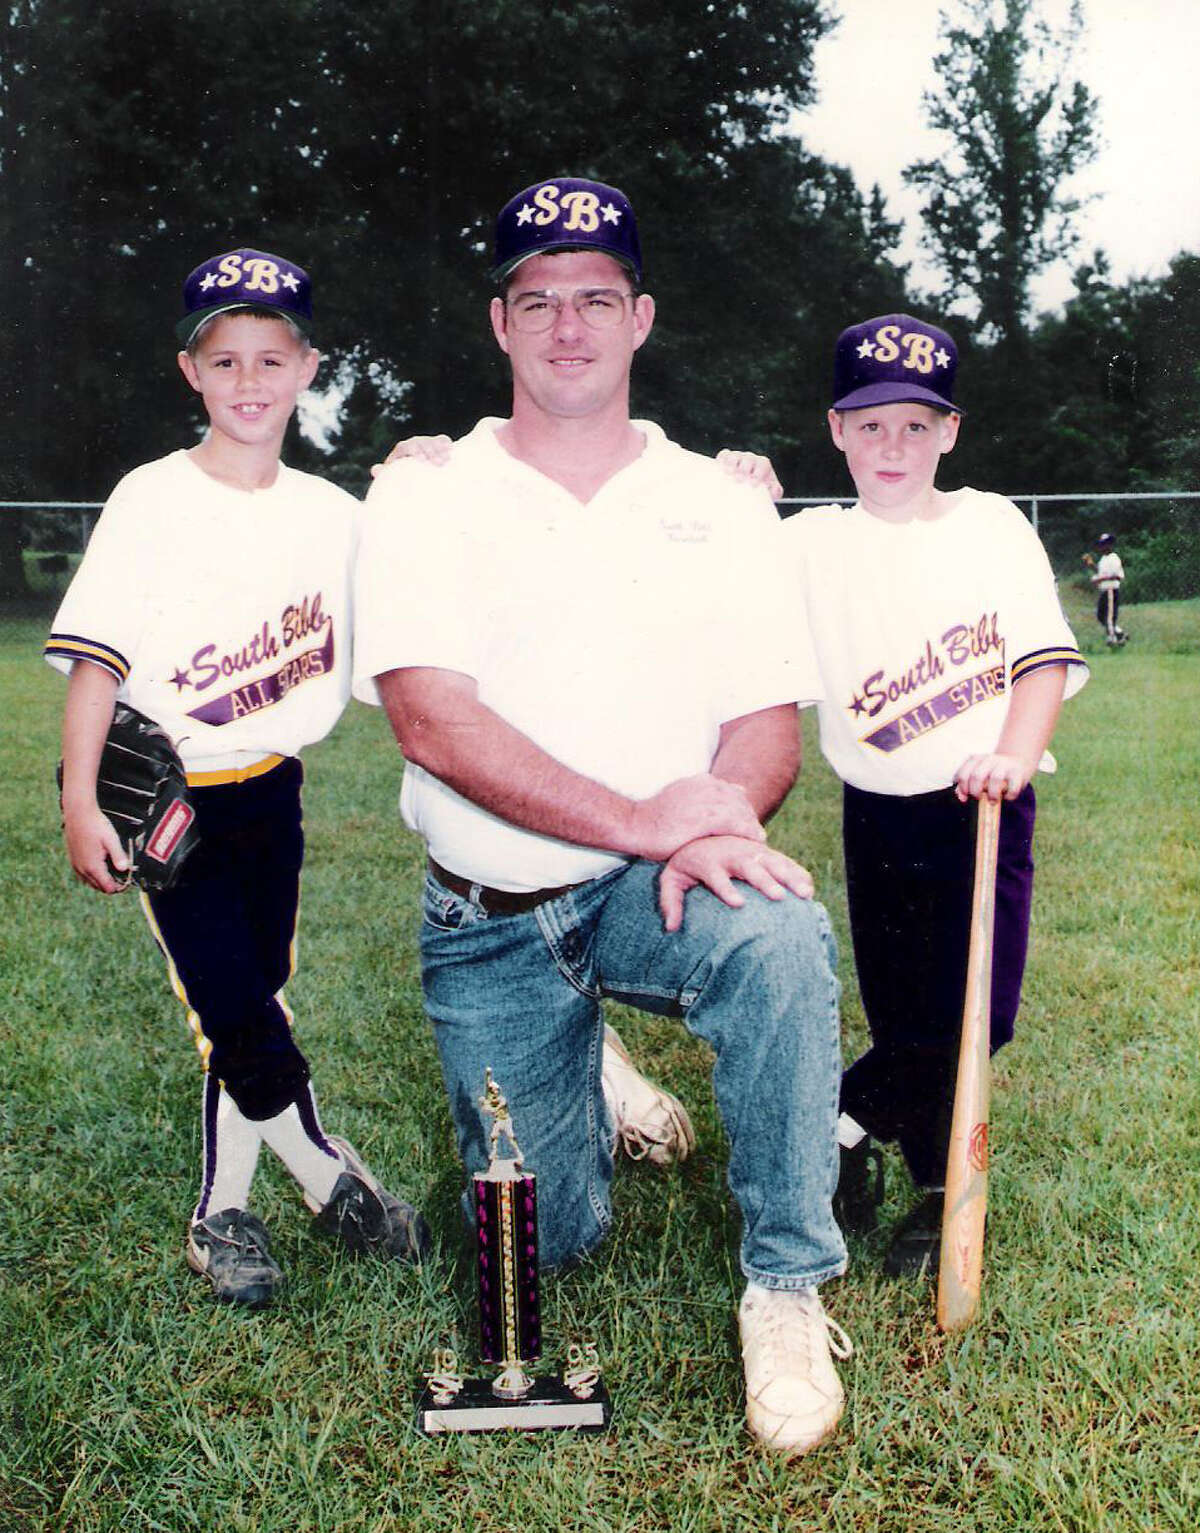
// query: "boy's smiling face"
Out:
[249,370]
[892,452]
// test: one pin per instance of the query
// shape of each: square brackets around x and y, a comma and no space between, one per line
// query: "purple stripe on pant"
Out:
[910,867]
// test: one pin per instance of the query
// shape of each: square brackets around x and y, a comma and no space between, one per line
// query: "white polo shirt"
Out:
[618,635]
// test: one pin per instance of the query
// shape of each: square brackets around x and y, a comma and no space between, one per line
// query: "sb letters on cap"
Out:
[566,214]
[245,277]
[894,359]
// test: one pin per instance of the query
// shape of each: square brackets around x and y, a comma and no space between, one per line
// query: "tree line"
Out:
[374,140]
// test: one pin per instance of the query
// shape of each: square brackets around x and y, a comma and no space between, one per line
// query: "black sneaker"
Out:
[232,1250]
[367,1218]
[860,1187]
[917,1241]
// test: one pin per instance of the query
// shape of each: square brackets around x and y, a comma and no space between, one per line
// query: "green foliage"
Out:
[1017,127]
[1162,566]
[129,1401]
[375,142]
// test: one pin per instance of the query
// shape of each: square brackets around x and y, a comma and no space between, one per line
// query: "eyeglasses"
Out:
[600,308]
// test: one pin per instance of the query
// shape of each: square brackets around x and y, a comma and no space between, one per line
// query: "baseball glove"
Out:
[142,789]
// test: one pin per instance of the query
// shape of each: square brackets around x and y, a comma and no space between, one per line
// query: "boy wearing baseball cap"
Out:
[214,597]
[945,658]
[1107,573]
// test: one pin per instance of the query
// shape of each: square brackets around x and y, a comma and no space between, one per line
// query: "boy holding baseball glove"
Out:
[945,658]
[214,599]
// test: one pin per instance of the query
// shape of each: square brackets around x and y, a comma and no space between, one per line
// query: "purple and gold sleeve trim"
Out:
[72,646]
[1059,654]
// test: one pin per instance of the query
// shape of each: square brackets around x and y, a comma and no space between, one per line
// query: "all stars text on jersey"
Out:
[266,691]
[939,709]
[272,689]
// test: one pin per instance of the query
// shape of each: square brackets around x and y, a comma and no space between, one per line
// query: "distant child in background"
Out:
[945,658]
[1107,576]
[215,597]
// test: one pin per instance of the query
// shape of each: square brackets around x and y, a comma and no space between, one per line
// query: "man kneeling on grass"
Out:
[576,630]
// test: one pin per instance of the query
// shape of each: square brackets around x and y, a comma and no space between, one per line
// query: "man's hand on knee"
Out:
[720,863]
[689,808]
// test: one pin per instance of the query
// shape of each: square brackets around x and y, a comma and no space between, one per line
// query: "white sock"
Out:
[230,1149]
[849,1133]
[296,1136]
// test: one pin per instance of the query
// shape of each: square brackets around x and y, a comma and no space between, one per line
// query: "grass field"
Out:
[128,1400]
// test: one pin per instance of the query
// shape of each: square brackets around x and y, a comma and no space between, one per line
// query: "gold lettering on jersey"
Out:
[273,686]
[938,710]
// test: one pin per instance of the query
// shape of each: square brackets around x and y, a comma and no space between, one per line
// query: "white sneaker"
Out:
[651,1123]
[793,1394]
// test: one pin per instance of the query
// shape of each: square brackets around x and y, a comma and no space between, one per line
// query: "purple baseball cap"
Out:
[566,214]
[245,278]
[894,359]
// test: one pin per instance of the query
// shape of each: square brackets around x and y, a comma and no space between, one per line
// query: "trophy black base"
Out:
[549,1406]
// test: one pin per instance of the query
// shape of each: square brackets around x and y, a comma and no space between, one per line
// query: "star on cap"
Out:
[525,214]
[610,214]
[867,349]
[942,357]
[210,280]
[290,281]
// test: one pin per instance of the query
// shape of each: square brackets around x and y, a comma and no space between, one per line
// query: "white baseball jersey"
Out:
[224,614]
[920,629]
[1109,572]
[618,635]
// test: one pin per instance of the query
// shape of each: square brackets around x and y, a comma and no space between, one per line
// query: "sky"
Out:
[1142,60]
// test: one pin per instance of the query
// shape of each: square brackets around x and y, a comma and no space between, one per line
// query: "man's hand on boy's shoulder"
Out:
[751,468]
[747,467]
[427,449]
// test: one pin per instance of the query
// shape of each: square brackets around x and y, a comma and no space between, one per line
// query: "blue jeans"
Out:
[521,994]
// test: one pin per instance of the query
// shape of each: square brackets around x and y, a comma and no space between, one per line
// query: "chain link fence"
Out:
[1157,533]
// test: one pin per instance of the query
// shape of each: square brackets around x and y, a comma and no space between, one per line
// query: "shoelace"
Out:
[780,1317]
[242,1237]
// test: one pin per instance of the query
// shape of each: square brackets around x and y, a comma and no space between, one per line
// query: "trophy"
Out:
[510,1325]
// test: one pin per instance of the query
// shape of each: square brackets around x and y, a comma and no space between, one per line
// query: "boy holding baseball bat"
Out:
[945,658]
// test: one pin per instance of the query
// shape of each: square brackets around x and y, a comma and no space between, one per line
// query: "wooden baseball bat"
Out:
[960,1268]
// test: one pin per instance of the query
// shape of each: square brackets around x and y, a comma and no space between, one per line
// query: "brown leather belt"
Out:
[497,902]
